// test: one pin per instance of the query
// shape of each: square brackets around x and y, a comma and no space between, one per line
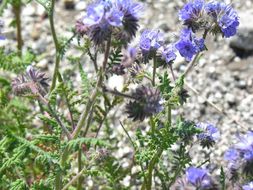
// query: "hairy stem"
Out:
[80,180]
[65,130]
[74,179]
[88,107]
[17,13]
[117,93]
[55,39]
[172,72]
[151,167]
[154,69]
[106,55]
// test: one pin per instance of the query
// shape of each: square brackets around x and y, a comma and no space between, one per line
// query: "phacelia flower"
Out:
[224,16]
[209,135]
[188,45]
[240,156]
[33,81]
[191,14]
[97,24]
[1,26]
[131,13]
[248,186]
[168,54]
[150,42]
[147,102]
[108,17]
[199,178]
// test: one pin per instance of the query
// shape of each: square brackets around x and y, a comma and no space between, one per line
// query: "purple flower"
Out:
[189,45]
[231,155]
[151,41]
[168,54]
[225,16]
[240,156]
[245,146]
[209,135]
[106,17]
[198,178]
[131,12]
[191,13]
[248,186]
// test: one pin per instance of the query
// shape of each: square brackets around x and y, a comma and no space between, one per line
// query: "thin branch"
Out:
[117,93]
[56,44]
[127,134]
[59,122]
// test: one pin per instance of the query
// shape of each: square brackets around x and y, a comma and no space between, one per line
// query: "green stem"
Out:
[57,55]
[169,118]
[58,181]
[64,128]
[154,69]
[80,180]
[86,112]
[17,13]
[151,167]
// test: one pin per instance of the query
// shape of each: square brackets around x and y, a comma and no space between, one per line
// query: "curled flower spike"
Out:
[131,13]
[147,102]
[33,81]
[209,135]
[189,45]
[192,14]
[225,18]
[248,186]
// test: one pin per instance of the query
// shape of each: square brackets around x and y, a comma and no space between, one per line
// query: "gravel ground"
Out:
[221,76]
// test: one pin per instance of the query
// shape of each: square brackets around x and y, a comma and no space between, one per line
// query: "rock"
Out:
[164,27]
[80,5]
[230,98]
[69,4]
[242,43]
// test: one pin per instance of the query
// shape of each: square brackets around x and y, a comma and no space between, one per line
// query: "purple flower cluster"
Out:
[199,178]
[106,15]
[240,156]
[248,186]
[224,16]
[209,135]
[215,16]
[191,13]
[188,45]
[153,40]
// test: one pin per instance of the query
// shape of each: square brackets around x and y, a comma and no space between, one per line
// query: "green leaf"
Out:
[19,184]
[76,144]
